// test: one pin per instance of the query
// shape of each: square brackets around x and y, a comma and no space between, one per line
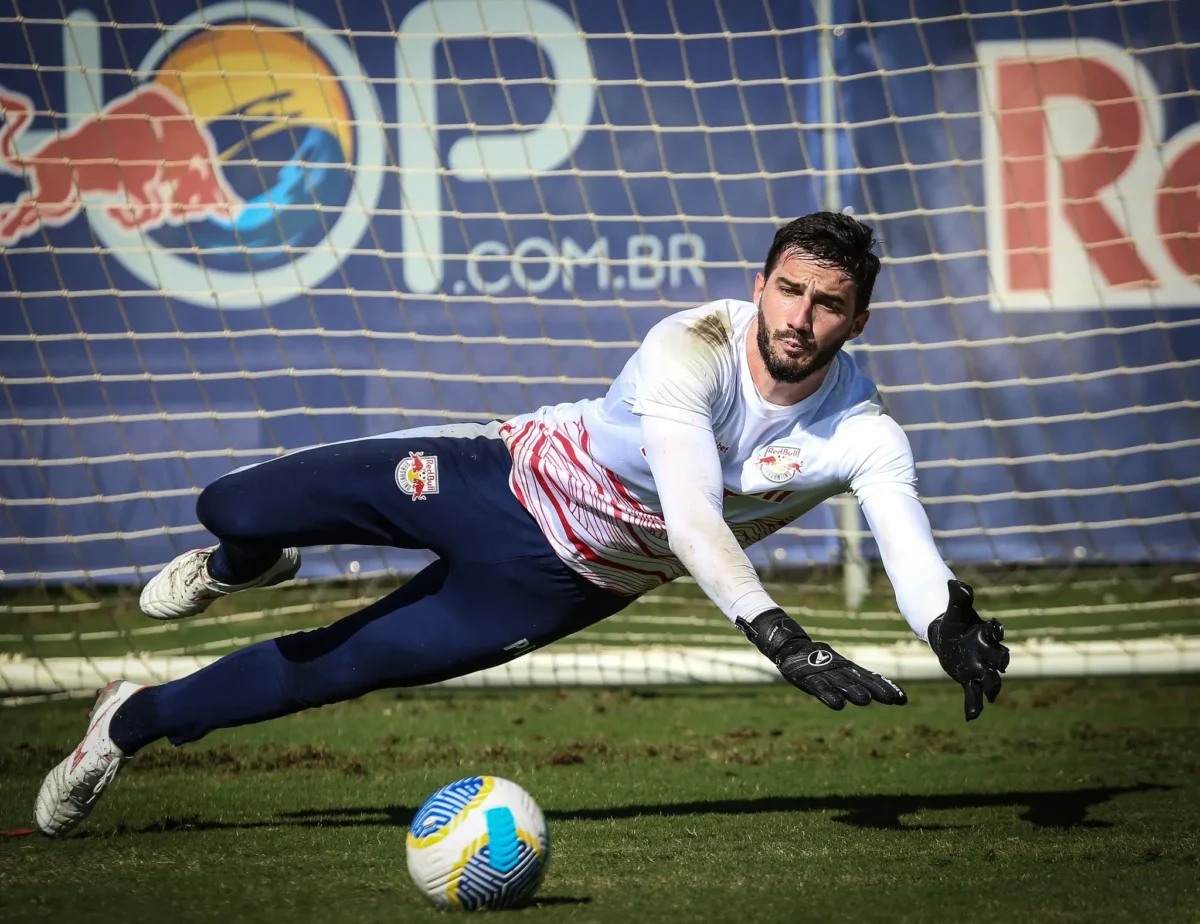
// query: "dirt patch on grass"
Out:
[1177,692]
[225,759]
[738,746]
[1173,745]
[1170,744]
[28,760]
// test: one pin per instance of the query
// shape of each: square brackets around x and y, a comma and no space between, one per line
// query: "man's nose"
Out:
[801,317]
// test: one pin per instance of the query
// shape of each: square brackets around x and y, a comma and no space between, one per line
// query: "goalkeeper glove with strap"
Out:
[969,649]
[814,667]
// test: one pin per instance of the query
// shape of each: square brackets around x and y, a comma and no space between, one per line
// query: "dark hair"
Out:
[834,240]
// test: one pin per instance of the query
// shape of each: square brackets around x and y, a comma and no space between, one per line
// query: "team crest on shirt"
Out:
[417,476]
[779,463]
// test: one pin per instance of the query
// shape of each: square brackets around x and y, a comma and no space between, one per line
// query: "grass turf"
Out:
[1088,604]
[1067,801]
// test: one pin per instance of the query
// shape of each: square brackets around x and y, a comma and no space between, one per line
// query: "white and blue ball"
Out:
[478,843]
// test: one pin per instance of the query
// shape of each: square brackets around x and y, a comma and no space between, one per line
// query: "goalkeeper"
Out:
[731,420]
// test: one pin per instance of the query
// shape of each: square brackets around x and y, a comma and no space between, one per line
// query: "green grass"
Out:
[1067,801]
[1083,603]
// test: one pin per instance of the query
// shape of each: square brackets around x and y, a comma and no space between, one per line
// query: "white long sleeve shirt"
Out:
[683,464]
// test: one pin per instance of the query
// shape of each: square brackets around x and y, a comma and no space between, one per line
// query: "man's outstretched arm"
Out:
[687,474]
[939,608]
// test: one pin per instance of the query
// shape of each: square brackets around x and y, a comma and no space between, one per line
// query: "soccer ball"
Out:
[478,843]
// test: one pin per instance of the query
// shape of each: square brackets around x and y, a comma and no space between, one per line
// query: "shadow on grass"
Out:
[1058,808]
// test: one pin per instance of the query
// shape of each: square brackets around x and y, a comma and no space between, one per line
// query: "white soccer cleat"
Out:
[184,588]
[71,790]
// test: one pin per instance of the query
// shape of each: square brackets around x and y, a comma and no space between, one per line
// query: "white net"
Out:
[244,228]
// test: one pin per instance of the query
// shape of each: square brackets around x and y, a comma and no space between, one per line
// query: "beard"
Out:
[793,369]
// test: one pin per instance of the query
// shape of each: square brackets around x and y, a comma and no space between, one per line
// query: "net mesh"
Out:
[347,219]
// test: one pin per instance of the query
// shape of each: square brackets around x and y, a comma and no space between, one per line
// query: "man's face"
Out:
[805,314]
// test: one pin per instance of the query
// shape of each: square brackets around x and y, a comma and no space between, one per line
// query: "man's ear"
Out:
[760,283]
[859,322]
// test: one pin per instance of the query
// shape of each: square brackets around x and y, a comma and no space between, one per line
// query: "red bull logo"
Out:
[780,463]
[144,153]
[296,151]
[1088,203]
[234,192]
[284,154]
[417,476]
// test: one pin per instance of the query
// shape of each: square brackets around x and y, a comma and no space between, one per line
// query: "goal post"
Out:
[245,228]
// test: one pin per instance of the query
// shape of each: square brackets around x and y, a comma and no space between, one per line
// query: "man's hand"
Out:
[969,649]
[814,667]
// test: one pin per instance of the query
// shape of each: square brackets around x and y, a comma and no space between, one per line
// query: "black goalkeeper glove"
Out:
[969,649]
[814,667]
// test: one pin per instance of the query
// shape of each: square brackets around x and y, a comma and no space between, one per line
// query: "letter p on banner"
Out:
[482,156]
[1086,207]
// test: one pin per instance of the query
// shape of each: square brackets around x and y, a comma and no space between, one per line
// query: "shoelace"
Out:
[196,577]
[109,772]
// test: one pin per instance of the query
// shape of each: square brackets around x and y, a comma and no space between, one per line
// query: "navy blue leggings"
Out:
[496,591]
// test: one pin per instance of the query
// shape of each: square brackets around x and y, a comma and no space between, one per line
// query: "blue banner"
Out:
[257,226]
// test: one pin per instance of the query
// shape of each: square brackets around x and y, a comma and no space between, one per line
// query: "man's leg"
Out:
[279,676]
[498,591]
[499,583]
[450,620]
[260,682]
[340,494]
[359,492]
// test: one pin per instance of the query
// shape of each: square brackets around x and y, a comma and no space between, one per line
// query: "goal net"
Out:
[243,228]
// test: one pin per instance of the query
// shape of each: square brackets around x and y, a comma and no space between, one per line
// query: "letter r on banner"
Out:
[1077,206]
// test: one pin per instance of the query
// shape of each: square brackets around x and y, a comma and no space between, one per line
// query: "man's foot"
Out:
[71,790]
[184,587]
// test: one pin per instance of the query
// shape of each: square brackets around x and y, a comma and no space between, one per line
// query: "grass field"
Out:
[1067,801]
[1087,604]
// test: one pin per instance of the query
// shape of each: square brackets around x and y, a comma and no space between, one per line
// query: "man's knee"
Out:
[210,507]
[226,509]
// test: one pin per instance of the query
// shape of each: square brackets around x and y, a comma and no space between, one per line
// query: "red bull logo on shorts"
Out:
[417,476]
